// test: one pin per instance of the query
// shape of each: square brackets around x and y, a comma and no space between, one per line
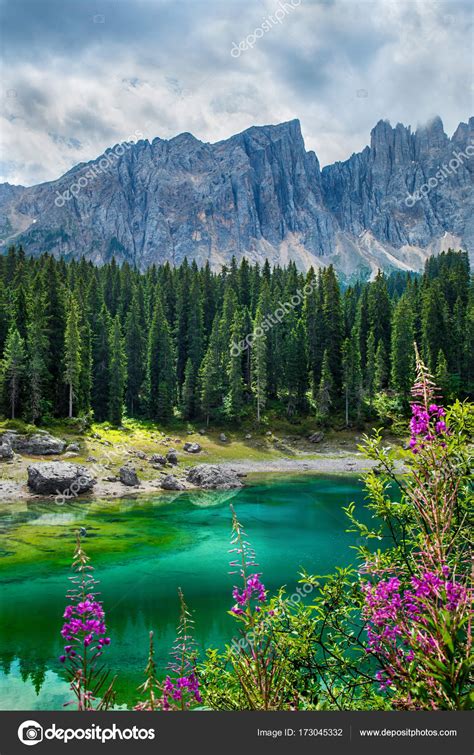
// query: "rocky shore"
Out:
[27,470]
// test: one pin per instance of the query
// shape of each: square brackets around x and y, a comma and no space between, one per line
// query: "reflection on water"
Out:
[143,550]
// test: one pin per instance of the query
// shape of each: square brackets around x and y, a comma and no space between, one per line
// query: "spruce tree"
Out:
[334,326]
[72,352]
[13,368]
[352,377]
[189,397]
[442,377]
[296,372]
[234,400]
[210,377]
[379,310]
[160,378]
[259,364]
[313,313]
[117,373]
[326,387]
[101,365]
[381,367]
[135,350]
[402,352]
[36,348]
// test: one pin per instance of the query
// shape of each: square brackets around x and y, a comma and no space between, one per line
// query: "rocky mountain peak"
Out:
[258,194]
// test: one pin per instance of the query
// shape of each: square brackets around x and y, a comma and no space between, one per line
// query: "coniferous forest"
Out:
[75,339]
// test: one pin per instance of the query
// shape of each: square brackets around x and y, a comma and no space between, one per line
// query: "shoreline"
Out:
[342,463]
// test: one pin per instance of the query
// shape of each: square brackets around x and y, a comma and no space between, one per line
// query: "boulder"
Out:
[192,448]
[172,456]
[6,451]
[157,459]
[316,437]
[52,477]
[74,447]
[128,476]
[248,436]
[211,476]
[223,438]
[170,482]
[202,431]
[39,444]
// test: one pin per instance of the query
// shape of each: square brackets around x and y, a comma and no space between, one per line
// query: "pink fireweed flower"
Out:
[84,624]
[175,690]
[426,425]
[397,616]
[254,589]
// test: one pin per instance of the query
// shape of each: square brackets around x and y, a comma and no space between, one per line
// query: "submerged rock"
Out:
[52,477]
[210,476]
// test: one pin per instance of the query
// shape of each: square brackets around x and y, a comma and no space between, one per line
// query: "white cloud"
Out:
[163,68]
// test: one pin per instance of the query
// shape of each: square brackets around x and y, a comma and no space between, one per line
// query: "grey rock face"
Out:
[128,476]
[210,476]
[52,477]
[170,482]
[40,444]
[192,448]
[407,192]
[259,194]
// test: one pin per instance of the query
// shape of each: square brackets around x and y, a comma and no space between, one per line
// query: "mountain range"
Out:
[259,194]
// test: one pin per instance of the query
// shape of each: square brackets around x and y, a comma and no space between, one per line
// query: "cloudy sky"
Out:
[81,75]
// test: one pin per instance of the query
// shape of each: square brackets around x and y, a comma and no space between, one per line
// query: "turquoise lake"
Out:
[143,549]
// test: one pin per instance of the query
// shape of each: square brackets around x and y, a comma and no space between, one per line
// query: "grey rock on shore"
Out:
[128,476]
[52,477]
[170,482]
[6,451]
[157,459]
[192,448]
[39,444]
[172,456]
[211,476]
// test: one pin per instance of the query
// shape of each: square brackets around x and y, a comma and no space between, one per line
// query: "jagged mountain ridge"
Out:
[258,194]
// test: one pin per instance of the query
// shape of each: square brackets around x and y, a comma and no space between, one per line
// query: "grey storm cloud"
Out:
[81,75]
